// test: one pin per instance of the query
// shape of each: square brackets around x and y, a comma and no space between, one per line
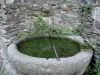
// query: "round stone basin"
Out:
[74,64]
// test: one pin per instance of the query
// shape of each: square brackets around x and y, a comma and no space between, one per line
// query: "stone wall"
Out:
[6,68]
[96,27]
[1,2]
[42,1]
[93,35]
[12,22]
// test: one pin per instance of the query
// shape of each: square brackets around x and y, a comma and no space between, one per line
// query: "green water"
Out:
[42,47]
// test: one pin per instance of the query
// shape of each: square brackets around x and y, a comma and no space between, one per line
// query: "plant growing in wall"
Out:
[42,27]
[86,17]
[40,23]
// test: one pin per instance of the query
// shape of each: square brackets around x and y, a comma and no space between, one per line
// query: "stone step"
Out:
[97,49]
[97,56]
[97,52]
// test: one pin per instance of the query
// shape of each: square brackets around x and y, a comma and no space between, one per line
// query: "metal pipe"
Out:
[55,51]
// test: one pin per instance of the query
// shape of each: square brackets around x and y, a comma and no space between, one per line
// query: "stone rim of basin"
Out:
[78,39]
[76,64]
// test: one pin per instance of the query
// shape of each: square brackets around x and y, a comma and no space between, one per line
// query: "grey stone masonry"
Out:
[5,66]
[12,22]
